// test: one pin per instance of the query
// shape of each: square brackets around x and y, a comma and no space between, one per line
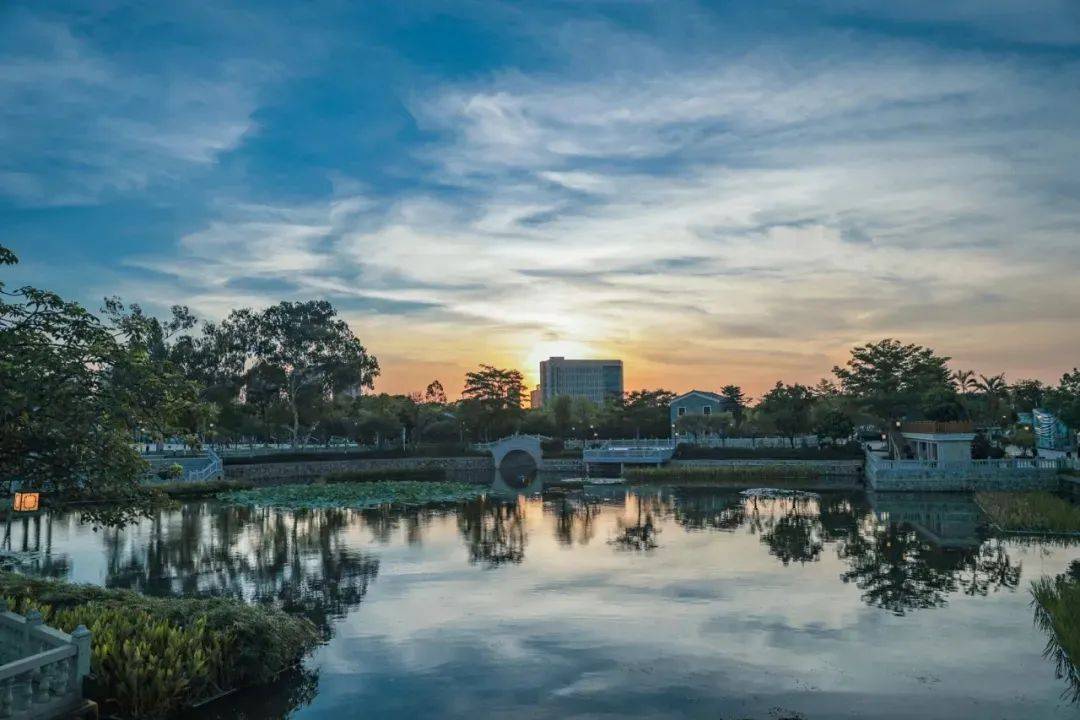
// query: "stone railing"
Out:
[1005,474]
[42,670]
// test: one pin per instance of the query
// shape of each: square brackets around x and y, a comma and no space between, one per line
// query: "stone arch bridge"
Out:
[528,444]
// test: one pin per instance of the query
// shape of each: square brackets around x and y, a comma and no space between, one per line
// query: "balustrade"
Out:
[41,669]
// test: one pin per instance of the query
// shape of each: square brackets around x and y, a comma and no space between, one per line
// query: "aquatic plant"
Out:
[1030,512]
[153,656]
[420,474]
[1057,613]
[354,495]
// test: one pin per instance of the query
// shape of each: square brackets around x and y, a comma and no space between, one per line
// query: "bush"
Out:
[389,475]
[154,656]
[172,472]
[851,451]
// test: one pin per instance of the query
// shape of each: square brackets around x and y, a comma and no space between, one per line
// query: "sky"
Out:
[715,193]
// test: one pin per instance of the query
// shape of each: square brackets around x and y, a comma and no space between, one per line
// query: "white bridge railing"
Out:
[41,669]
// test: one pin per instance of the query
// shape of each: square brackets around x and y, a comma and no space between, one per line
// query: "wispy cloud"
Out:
[711,213]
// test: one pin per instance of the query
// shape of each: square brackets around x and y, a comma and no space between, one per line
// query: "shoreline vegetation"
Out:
[1030,513]
[735,476]
[152,657]
[1057,613]
[354,495]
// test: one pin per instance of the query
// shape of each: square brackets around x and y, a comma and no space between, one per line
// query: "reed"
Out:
[1030,512]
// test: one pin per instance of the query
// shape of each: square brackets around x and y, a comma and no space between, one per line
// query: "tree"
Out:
[159,399]
[787,408]
[61,426]
[890,378]
[434,393]
[1026,395]
[736,401]
[495,395]
[1064,400]
[964,381]
[833,423]
[313,350]
[646,413]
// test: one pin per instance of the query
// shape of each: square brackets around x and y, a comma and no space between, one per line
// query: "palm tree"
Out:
[965,381]
[994,386]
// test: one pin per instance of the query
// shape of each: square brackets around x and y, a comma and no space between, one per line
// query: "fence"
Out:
[882,473]
[42,669]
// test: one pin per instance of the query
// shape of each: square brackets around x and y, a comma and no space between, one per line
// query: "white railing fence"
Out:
[41,669]
[879,467]
[213,469]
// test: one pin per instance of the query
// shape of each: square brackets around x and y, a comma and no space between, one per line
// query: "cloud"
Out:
[757,206]
[79,127]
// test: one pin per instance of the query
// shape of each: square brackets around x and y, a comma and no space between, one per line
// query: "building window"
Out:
[682,411]
[706,410]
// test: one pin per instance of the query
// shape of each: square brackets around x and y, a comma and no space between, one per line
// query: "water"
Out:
[606,603]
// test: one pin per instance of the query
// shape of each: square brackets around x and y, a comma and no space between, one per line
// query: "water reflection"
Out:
[905,556]
[494,530]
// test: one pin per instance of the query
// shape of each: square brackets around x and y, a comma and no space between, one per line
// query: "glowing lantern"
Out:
[27,501]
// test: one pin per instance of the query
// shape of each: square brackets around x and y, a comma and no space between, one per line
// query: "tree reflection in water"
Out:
[574,519]
[895,566]
[494,530]
[297,560]
[638,532]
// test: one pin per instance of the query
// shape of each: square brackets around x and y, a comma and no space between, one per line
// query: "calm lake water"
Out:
[673,602]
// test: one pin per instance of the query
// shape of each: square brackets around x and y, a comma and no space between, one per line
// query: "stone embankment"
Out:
[315,469]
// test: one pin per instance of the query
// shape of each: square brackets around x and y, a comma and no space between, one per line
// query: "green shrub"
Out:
[430,474]
[153,656]
[172,472]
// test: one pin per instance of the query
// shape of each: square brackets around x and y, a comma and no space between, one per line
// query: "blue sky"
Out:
[715,192]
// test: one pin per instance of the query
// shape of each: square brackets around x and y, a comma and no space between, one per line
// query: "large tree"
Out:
[1064,400]
[311,349]
[890,378]
[62,425]
[492,399]
[788,409]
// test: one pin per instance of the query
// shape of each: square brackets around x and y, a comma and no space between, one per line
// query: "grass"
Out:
[842,452]
[1030,512]
[356,495]
[732,476]
[1057,613]
[151,657]
[388,475]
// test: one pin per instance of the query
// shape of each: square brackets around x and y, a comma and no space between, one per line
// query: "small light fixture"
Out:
[27,501]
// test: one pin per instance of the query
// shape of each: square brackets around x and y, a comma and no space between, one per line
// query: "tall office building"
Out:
[595,380]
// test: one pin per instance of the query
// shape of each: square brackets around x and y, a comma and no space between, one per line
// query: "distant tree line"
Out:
[79,390]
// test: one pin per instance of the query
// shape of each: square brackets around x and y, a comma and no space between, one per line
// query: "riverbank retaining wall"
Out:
[837,468]
[315,469]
